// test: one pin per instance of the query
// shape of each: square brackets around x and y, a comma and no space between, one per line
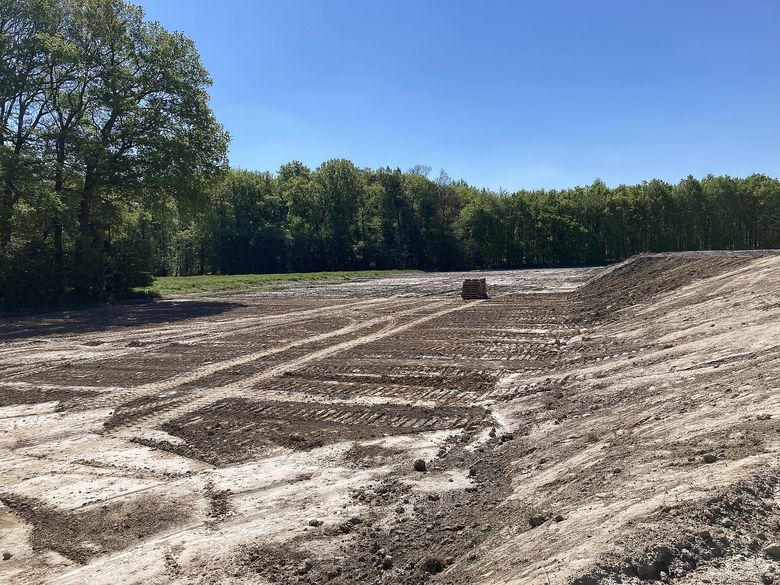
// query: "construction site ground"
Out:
[580,426]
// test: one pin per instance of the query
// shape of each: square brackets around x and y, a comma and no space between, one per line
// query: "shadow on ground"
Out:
[29,324]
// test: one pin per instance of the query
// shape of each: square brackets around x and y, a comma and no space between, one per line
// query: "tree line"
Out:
[339,217]
[113,169]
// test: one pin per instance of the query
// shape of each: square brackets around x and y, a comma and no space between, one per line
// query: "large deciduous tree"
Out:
[25,27]
[147,130]
[113,111]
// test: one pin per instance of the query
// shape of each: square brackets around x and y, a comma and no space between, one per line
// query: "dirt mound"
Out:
[404,535]
[650,275]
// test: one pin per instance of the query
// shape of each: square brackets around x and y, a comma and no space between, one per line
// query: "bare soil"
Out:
[583,426]
[80,535]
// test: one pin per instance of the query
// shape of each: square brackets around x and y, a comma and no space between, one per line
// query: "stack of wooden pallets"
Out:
[474,288]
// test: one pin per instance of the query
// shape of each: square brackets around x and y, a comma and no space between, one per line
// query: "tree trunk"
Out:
[59,256]
[87,282]
[6,208]
[59,263]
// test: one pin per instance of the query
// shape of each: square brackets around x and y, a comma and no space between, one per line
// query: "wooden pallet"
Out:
[474,288]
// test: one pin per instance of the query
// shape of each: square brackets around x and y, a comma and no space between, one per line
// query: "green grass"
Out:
[591,438]
[171,286]
[483,535]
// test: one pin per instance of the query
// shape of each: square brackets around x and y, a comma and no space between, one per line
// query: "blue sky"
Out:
[505,94]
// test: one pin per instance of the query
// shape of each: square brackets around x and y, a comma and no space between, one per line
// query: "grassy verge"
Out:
[168,286]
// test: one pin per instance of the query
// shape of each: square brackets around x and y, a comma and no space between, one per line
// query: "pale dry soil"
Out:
[585,426]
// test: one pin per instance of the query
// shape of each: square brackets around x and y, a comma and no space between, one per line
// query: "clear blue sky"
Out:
[501,93]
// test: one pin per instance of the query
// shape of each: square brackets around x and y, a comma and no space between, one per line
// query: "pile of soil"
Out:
[650,275]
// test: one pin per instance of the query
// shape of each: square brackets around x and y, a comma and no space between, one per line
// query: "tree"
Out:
[305,217]
[398,224]
[147,130]
[482,230]
[341,191]
[113,111]
[24,28]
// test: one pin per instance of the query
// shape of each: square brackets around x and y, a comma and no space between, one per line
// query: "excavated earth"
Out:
[581,426]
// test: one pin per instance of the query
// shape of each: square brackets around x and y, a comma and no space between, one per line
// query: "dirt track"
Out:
[623,431]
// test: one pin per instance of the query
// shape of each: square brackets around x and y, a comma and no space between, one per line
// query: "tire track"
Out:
[206,397]
[177,333]
[169,384]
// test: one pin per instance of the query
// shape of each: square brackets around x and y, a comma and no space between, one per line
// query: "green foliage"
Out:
[24,274]
[212,283]
[483,535]
[591,438]
[104,119]
[341,216]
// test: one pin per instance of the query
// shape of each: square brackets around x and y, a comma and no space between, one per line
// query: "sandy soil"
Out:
[584,426]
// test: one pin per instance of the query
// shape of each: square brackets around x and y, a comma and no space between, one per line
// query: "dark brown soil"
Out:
[10,396]
[650,275]
[426,532]
[236,430]
[136,409]
[369,455]
[219,503]
[31,324]
[83,534]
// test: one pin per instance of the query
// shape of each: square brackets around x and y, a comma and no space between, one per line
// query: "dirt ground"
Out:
[581,426]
